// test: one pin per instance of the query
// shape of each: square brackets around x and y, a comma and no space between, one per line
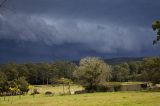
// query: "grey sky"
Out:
[108,28]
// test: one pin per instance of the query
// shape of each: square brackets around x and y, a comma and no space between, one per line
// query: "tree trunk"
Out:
[43,80]
[47,80]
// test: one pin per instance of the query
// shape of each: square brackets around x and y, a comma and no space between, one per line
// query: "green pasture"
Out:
[132,98]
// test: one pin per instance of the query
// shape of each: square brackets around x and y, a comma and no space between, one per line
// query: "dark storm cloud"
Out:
[111,27]
[50,30]
[119,11]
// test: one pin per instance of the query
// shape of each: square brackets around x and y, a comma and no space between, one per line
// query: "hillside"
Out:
[113,61]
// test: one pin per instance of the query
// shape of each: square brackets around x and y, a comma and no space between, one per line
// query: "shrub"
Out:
[81,92]
[102,88]
[49,93]
[144,86]
[117,87]
[107,88]
[22,84]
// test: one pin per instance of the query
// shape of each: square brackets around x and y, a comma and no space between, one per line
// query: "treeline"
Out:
[37,73]
[147,70]
[15,75]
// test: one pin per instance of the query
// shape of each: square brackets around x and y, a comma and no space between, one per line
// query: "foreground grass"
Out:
[93,99]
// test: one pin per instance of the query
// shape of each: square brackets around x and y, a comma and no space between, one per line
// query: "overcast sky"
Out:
[45,30]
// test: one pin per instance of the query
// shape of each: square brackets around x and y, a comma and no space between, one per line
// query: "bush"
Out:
[117,87]
[22,84]
[102,88]
[106,88]
[49,93]
[81,92]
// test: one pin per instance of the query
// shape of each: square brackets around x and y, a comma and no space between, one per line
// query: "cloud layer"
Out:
[49,30]
[103,26]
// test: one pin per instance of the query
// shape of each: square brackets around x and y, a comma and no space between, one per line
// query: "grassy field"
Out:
[57,89]
[92,99]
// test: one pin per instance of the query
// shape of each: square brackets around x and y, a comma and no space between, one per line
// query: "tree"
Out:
[44,72]
[22,70]
[92,72]
[156,27]
[151,70]
[2,77]
[134,67]
[63,69]
[121,72]
[10,71]
[33,74]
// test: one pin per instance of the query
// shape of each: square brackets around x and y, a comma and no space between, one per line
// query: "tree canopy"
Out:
[151,69]
[92,72]
[156,27]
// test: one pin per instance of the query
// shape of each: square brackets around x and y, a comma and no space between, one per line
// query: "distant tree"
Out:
[3,77]
[151,69]
[10,71]
[92,72]
[134,67]
[144,76]
[54,81]
[120,72]
[135,70]
[63,69]
[33,73]
[156,27]
[44,73]
[22,71]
